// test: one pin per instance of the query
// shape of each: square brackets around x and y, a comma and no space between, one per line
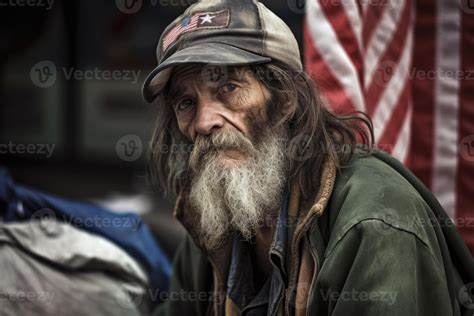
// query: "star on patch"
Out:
[207,18]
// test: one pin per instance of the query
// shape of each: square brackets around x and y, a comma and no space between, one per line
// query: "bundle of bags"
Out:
[63,257]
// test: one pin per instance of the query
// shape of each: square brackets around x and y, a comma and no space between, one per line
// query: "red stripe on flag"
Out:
[420,159]
[391,55]
[465,172]
[329,85]
[177,30]
[336,15]
[373,14]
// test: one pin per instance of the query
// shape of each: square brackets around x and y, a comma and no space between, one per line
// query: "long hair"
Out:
[314,132]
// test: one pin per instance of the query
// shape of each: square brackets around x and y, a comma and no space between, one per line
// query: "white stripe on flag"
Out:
[393,90]
[352,13]
[400,151]
[446,105]
[381,37]
[334,55]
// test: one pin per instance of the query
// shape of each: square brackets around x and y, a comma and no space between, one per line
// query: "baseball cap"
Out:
[222,33]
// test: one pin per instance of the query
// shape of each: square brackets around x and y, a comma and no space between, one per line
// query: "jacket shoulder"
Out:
[368,189]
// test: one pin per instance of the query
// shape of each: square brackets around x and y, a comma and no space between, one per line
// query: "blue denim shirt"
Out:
[240,286]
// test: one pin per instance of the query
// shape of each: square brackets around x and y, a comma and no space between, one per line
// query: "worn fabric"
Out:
[128,231]
[371,240]
[52,268]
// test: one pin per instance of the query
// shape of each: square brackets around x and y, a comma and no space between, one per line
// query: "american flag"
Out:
[187,24]
[410,66]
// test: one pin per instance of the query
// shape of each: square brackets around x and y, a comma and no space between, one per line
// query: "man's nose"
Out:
[208,117]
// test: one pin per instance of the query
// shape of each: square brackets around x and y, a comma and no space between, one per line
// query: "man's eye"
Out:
[185,104]
[228,87]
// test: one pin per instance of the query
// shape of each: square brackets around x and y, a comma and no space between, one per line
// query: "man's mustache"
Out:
[206,145]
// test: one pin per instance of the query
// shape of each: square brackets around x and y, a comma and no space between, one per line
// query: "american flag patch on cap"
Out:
[198,21]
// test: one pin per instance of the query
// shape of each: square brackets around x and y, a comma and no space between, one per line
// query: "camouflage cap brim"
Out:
[218,54]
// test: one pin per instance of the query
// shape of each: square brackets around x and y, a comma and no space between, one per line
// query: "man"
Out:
[285,214]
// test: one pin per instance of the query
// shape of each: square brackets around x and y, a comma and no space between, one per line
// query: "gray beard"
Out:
[240,195]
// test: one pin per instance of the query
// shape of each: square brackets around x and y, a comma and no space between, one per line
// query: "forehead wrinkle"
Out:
[186,86]
[185,76]
[243,73]
[184,73]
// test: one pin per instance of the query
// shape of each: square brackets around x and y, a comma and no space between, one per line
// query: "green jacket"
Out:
[372,241]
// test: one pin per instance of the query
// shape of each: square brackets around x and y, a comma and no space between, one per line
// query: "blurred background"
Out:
[72,119]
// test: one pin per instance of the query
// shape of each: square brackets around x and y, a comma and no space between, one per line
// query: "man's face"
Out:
[238,162]
[235,103]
